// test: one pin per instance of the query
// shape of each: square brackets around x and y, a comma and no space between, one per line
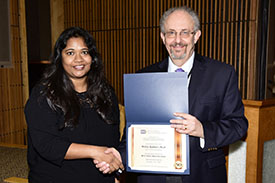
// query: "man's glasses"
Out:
[182,34]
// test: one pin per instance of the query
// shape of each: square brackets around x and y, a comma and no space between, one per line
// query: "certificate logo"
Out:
[142,131]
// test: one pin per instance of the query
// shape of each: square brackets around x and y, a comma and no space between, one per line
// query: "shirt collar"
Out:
[186,67]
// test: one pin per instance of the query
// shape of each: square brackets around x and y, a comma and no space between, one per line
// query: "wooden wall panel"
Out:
[127,34]
[260,130]
[14,83]
[57,19]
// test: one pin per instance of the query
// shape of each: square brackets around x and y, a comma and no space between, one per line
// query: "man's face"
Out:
[179,37]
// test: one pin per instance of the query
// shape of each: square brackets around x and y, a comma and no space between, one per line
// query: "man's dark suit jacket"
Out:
[214,99]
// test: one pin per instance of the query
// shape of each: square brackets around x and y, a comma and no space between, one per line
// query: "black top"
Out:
[47,145]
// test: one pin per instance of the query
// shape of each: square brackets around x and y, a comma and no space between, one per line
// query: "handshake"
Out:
[108,160]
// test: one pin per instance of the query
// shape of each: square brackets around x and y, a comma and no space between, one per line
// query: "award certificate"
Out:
[157,148]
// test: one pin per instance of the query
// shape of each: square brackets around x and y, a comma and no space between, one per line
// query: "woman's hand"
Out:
[108,158]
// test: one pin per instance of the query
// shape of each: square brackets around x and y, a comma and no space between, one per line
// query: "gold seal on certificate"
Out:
[178,165]
[156,148]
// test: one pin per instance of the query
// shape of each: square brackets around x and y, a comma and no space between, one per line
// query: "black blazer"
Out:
[214,99]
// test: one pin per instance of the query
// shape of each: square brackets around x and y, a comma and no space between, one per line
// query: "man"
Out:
[216,113]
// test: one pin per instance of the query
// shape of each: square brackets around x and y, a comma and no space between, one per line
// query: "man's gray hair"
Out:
[191,12]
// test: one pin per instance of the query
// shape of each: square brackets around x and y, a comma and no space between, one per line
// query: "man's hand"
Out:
[187,125]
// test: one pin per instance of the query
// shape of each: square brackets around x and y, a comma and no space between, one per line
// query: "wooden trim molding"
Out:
[259,103]
[23,48]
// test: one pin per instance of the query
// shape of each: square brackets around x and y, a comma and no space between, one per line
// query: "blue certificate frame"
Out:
[150,101]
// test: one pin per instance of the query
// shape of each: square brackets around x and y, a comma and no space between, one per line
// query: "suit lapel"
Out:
[197,74]
[163,66]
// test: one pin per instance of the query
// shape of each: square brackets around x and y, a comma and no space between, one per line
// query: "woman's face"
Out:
[76,59]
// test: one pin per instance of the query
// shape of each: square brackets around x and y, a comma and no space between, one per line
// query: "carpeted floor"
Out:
[13,163]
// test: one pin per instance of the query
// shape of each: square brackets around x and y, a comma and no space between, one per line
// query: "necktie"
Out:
[179,70]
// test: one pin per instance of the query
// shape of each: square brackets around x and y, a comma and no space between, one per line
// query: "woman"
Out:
[73,116]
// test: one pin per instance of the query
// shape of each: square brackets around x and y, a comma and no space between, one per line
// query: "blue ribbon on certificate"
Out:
[151,99]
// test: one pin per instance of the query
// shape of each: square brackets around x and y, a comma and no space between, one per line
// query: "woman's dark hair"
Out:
[59,89]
